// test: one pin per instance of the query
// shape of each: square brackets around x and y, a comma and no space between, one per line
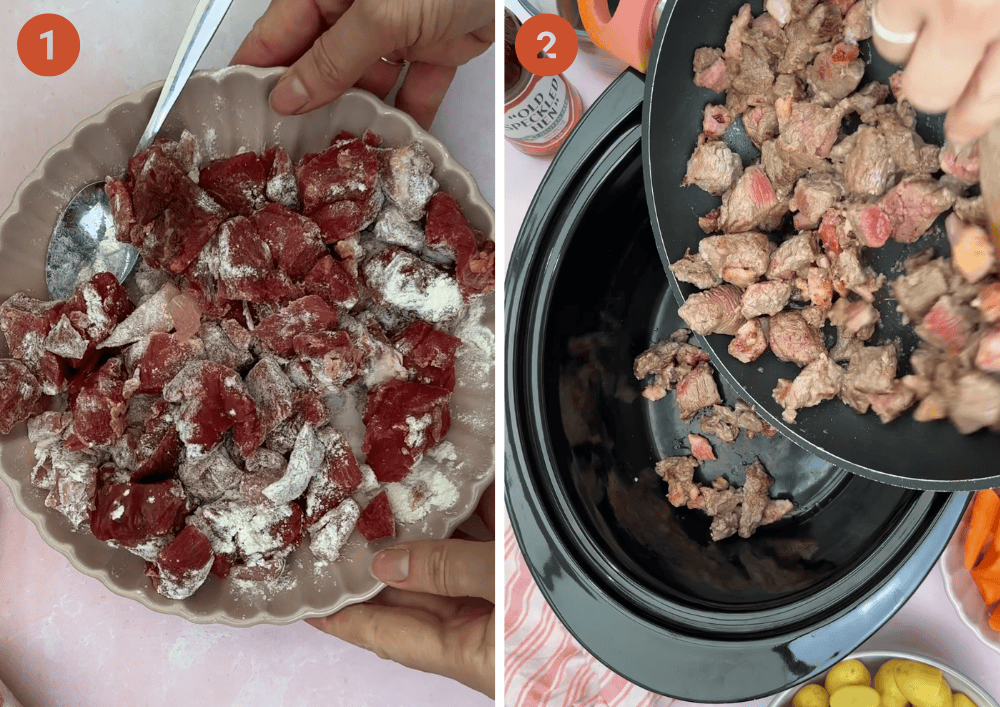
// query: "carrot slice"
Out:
[986,575]
[995,620]
[982,525]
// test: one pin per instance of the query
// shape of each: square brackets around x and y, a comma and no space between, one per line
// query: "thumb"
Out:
[451,568]
[336,61]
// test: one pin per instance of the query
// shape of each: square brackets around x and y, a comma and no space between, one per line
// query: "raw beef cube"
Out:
[183,565]
[133,513]
[403,420]
[305,460]
[308,314]
[348,169]
[946,325]
[792,339]
[338,478]
[715,311]
[406,283]
[100,406]
[150,317]
[913,204]
[339,220]
[710,69]
[272,391]
[120,201]
[429,353]
[26,323]
[176,215]
[406,179]
[183,151]
[98,306]
[215,399]
[19,391]
[329,535]
[713,167]
[749,343]
[448,231]
[164,358]
[393,228]
[376,519]
[311,408]
[74,481]
[208,478]
[250,533]
[330,280]
[697,390]
[244,263]
[282,187]
[159,445]
[330,358]
[236,183]
[295,241]
[227,343]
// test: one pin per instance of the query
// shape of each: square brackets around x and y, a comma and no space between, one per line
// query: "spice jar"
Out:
[539,111]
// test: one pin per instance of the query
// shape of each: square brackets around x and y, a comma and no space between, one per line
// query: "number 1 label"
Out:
[47,36]
[48,45]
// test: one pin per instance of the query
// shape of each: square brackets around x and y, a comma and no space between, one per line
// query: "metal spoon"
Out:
[83,242]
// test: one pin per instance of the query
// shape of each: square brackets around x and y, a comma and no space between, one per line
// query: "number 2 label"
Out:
[546,45]
[48,45]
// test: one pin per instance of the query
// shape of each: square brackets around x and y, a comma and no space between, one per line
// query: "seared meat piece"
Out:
[791,256]
[932,407]
[709,223]
[755,498]
[725,504]
[972,210]
[697,390]
[751,202]
[913,204]
[869,168]
[845,348]
[818,381]
[749,343]
[792,339]
[909,151]
[976,403]
[888,406]
[768,297]
[858,22]
[739,26]
[854,319]
[775,510]
[721,422]
[918,291]
[752,423]
[701,448]
[988,353]
[752,75]
[710,69]
[947,325]
[854,398]
[765,34]
[872,369]
[786,86]
[739,258]
[817,287]
[694,269]
[678,472]
[964,166]
[815,316]
[814,194]
[782,173]
[760,124]
[807,131]
[715,122]
[713,167]
[863,102]
[988,302]
[973,254]
[858,278]
[835,73]
[784,11]
[715,311]
[668,362]
[869,224]
[806,36]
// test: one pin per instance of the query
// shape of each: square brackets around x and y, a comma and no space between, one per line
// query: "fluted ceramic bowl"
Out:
[227,110]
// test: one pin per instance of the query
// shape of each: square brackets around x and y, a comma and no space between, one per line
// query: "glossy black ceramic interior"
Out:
[637,581]
[904,452]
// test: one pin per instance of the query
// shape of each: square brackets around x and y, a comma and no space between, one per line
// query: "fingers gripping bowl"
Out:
[227,111]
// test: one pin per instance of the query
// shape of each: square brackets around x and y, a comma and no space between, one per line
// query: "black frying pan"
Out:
[904,452]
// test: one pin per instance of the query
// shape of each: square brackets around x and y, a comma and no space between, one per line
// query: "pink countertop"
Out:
[65,640]
[927,624]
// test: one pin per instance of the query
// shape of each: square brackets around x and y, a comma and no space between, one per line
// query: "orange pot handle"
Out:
[628,35]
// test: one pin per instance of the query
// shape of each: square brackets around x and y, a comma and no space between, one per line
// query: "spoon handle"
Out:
[206,20]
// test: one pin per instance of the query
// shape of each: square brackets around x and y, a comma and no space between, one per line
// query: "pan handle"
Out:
[627,35]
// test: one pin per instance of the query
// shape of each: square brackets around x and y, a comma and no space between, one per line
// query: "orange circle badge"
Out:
[48,45]
[546,45]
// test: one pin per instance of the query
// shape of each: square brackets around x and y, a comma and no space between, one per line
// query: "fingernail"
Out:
[391,565]
[289,96]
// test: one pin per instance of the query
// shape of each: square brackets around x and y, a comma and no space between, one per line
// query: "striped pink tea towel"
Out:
[544,665]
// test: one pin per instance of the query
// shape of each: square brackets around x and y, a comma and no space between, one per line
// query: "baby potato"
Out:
[813,696]
[849,672]
[885,685]
[854,696]
[922,685]
[960,700]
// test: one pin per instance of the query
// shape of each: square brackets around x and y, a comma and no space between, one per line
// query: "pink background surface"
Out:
[927,624]
[65,640]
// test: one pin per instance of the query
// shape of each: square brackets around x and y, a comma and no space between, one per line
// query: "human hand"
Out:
[437,614]
[336,44]
[952,58]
